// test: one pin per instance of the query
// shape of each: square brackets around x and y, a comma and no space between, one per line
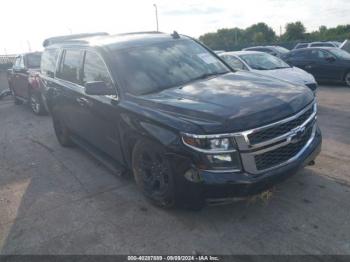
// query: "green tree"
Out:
[294,31]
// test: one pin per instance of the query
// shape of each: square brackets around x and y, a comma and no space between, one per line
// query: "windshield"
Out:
[153,68]
[263,61]
[33,60]
[340,53]
[281,49]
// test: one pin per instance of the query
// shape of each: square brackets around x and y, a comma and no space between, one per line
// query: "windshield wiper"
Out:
[280,67]
[206,75]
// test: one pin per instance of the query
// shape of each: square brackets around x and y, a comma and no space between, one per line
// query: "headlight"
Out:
[209,144]
[217,151]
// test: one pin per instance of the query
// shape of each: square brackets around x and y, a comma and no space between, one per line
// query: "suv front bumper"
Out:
[226,185]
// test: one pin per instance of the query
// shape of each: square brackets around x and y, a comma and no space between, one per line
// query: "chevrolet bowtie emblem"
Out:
[296,135]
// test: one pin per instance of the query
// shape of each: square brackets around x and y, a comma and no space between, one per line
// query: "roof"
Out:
[121,41]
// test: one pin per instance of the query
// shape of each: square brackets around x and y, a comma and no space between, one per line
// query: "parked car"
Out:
[219,51]
[167,109]
[324,63]
[23,81]
[269,65]
[318,44]
[272,50]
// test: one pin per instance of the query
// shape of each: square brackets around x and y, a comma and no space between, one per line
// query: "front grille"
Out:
[282,154]
[312,86]
[277,130]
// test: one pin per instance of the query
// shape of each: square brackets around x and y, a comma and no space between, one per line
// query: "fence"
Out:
[6,61]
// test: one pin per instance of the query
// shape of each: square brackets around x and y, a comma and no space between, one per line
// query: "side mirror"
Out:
[330,58]
[98,88]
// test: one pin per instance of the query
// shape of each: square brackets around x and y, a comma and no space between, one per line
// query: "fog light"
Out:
[192,175]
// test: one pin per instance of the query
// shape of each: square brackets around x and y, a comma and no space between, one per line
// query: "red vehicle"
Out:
[23,81]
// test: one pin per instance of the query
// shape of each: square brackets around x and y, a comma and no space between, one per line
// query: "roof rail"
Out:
[140,33]
[58,39]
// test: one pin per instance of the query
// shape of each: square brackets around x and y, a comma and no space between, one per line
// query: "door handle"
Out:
[82,101]
[308,66]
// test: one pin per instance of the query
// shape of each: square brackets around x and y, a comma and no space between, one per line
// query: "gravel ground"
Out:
[55,200]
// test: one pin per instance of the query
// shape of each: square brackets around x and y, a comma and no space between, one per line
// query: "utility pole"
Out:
[280,30]
[29,47]
[156,9]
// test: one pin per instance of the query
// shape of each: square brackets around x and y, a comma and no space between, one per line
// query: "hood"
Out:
[231,102]
[291,74]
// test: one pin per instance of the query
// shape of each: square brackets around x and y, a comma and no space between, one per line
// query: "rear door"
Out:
[325,66]
[69,89]
[300,58]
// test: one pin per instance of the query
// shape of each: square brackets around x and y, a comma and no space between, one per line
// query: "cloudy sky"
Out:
[24,24]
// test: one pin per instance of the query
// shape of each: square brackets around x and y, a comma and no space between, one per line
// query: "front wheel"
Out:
[347,79]
[153,174]
[62,133]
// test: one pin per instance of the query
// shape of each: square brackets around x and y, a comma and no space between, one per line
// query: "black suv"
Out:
[171,111]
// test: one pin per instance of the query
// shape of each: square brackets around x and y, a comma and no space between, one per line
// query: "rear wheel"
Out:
[153,173]
[36,104]
[347,79]
[62,133]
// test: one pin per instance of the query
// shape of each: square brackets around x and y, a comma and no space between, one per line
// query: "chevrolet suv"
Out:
[170,111]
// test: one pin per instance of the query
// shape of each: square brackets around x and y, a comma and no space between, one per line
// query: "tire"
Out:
[153,173]
[36,103]
[17,101]
[347,79]
[62,133]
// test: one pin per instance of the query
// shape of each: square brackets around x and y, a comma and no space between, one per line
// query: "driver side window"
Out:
[96,70]
[234,62]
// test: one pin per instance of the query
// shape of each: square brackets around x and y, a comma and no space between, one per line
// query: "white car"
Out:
[268,65]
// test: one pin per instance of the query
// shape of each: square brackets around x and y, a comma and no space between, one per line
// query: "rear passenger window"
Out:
[70,68]
[95,70]
[300,54]
[48,62]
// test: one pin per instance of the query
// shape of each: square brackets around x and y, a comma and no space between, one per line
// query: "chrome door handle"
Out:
[82,101]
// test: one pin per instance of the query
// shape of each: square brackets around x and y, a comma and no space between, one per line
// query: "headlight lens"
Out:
[209,144]
[217,152]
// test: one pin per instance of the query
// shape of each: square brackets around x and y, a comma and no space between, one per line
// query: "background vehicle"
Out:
[188,127]
[268,65]
[318,44]
[23,81]
[272,50]
[324,63]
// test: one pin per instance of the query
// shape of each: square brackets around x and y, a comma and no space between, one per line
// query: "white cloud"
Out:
[32,21]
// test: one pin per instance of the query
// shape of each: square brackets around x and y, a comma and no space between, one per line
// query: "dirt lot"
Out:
[60,201]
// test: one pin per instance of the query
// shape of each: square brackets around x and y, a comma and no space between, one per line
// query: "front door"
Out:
[101,113]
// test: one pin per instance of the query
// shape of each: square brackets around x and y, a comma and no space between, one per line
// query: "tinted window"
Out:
[322,44]
[33,60]
[302,54]
[48,61]
[263,61]
[21,62]
[156,67]
[71,66]
[281,49]
[301,46]
[17,62]
[319,54]
[234,62]
[95,69]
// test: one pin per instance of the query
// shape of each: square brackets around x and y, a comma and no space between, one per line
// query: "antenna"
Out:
[175,35]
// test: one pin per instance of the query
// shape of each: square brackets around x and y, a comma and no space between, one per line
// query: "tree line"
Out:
[259,34]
